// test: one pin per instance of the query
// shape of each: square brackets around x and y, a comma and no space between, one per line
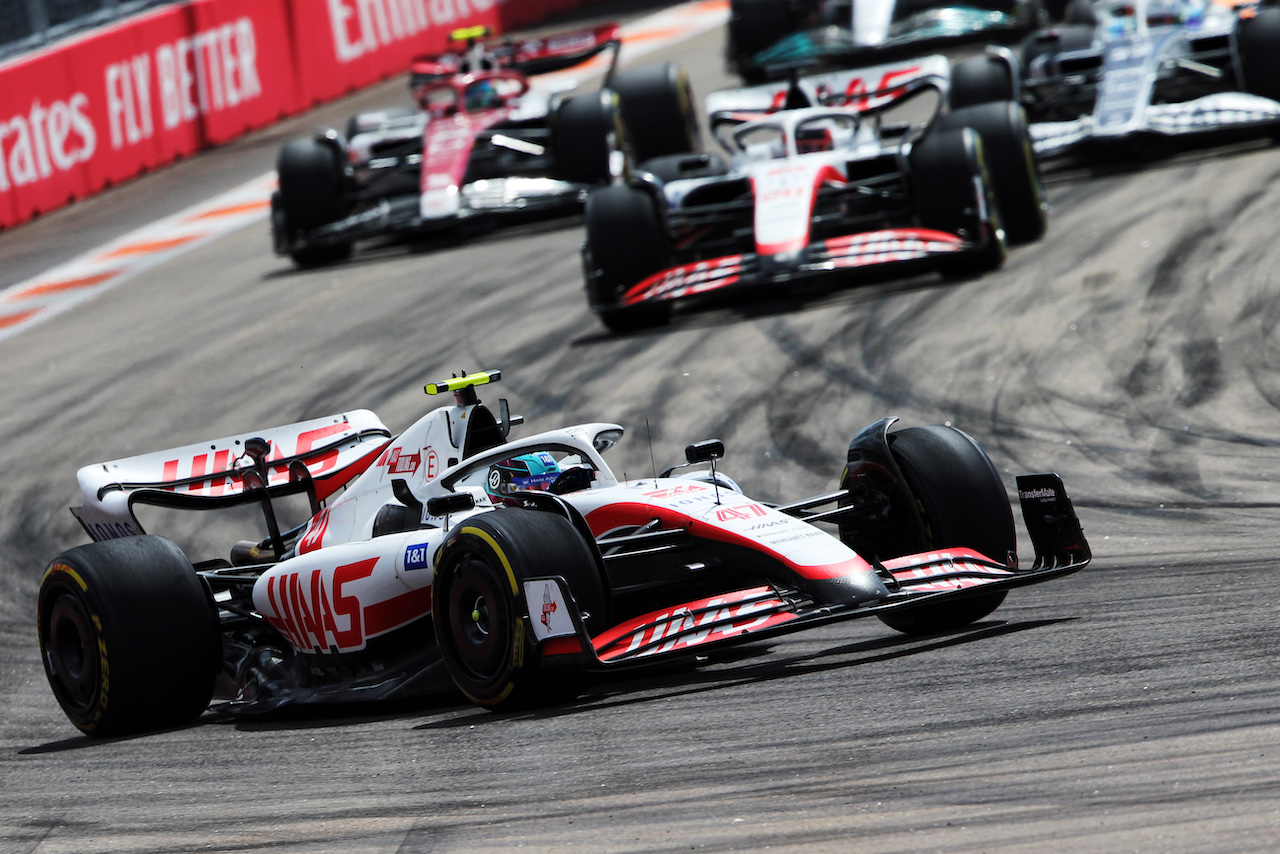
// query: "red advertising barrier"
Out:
[354,42]
[101,108]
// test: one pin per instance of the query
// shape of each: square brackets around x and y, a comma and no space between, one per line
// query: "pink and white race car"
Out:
[481,141]
[454,555]
[827,174]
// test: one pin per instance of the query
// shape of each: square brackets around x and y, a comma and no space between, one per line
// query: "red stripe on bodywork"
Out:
[685,280]
[401,610]
[915,572]
[562,646]
[889,246]
[625,514]
[826,175]
[709,620]
[327,486]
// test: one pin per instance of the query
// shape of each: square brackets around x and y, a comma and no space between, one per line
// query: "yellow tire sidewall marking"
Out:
[502,556]
[104,663]
[62,567]
[517,634]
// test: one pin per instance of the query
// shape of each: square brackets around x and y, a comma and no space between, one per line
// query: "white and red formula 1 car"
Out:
[821,179]
[510,568]
[480,143]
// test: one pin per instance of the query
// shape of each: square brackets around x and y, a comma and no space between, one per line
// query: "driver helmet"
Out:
[526,473]
[482,95]
[814,139]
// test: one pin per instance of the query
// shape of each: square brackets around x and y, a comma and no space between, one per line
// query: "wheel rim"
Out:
[71,654]
[479,617]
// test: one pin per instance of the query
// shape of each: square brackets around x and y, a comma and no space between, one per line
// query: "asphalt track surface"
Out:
[1132,707]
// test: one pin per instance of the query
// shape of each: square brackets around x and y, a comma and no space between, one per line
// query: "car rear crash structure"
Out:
[453,554]
[482,142]
[823,178]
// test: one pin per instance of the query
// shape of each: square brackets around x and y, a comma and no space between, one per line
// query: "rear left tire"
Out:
[128,636]
[1258,41]
[587,129]
[979,80]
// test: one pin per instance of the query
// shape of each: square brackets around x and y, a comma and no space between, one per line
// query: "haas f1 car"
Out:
[1119,70]
[766,37]
[482,142]
[820,180]
[513,569]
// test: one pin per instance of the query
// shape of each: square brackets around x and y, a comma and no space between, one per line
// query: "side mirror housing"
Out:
[704,451]
[454,502]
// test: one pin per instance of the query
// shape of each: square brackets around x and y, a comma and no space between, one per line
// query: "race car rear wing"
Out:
[862,88]
[867,90]
[317,457]
[530,56]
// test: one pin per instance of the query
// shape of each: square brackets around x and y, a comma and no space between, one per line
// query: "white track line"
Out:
[38,299]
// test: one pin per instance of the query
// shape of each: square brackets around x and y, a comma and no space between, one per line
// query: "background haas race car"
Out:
[512,569]
[482,142]
[827,174]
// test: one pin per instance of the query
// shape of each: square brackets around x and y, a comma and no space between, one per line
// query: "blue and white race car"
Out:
[1116,69]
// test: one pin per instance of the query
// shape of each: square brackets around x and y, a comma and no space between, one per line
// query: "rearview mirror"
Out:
[454,502]
[704,451]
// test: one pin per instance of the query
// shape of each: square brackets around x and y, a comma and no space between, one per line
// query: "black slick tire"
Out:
[587,129]
[312,193]
[1258,44]
[962,502]
[479,609]
[128,636]
[1011,162]
[979,80]
[948,170]
[625,244]
[1079,13]
[658,109]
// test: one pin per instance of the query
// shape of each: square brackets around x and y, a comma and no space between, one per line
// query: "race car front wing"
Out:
[768,610]
[887,246]
[1217,112]
[482,198]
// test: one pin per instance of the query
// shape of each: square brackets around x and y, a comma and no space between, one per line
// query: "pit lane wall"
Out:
[103,107]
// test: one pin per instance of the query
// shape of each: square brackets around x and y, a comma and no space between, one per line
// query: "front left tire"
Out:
[312,193]
[962,502]
[480,612]
[626,243]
